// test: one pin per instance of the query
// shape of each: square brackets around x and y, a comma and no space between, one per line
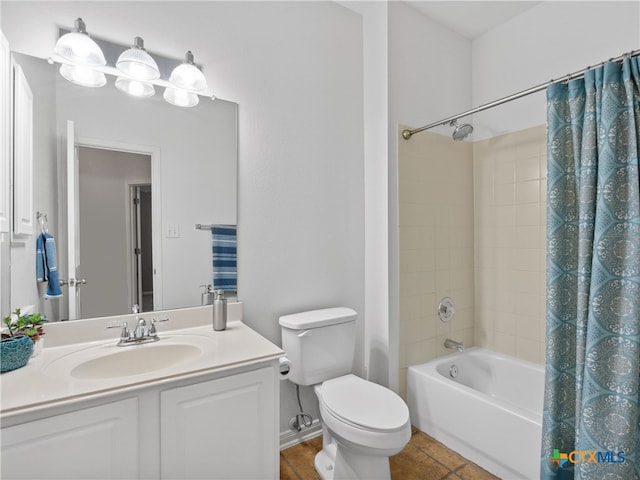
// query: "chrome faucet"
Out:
[139,335]
[139,331]
[448,343]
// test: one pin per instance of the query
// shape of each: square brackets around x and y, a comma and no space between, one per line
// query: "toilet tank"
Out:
[319,344]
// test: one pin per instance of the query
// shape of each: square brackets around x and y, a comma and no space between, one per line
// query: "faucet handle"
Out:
[124,334]
[152,328]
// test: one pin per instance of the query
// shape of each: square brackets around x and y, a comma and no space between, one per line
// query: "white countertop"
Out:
[45,381]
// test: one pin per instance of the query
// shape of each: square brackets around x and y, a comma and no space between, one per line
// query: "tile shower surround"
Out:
[472,227]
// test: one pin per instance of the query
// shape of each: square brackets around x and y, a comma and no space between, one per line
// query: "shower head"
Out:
[460,132]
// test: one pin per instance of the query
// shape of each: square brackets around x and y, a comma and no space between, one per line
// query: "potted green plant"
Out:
[21,323]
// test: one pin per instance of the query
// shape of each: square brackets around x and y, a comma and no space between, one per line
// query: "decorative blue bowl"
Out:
[15,352]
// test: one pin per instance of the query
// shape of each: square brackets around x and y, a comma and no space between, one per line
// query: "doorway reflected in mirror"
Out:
[114,231]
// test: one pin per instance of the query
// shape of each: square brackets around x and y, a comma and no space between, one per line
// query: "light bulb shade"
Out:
[180,98]
[137,63]
[77,48]
[134,87]
[83,76]
[188,77]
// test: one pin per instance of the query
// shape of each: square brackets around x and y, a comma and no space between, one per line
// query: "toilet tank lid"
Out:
[318,318]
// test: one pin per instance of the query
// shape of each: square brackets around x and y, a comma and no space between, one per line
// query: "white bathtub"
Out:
[490,413]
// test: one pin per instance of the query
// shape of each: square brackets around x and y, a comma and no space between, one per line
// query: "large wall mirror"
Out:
[147,172]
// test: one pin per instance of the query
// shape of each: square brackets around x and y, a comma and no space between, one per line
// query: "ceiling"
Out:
[471,18]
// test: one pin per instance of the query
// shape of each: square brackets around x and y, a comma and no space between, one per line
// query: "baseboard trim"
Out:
[290,438]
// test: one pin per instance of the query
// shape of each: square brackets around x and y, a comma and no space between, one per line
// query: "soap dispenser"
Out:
[219,311]
[206,298]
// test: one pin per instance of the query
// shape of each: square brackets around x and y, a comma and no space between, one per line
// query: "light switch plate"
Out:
[172,231]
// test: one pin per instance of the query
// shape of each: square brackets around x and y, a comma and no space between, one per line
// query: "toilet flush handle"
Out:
[306,333]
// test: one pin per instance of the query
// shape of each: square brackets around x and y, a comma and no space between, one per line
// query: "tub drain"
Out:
[453,371]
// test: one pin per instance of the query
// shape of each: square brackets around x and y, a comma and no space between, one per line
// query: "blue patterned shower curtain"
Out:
[592,407]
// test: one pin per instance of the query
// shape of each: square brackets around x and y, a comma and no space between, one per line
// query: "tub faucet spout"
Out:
[448,343]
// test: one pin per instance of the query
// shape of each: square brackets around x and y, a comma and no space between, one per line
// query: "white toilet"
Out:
[363,423]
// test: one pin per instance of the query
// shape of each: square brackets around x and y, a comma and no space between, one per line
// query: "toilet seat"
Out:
[364,414]
[364,404]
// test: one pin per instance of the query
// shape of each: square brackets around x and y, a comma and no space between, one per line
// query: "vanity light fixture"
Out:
[187,76]
[83,76]
[78,48]
[137,63]
[83,62]
[180,97]
[136,88]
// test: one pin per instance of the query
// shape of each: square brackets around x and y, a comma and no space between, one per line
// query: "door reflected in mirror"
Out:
[114,231]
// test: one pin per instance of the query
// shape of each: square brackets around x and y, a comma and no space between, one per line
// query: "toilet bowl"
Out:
[363,423]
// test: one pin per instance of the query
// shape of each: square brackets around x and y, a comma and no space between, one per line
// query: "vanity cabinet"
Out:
[223,428]
[98,442]
[221,425]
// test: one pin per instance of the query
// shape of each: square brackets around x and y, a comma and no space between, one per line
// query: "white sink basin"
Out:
[109,361]
[135,361]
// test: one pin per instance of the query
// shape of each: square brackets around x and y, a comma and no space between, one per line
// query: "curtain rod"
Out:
[406,134]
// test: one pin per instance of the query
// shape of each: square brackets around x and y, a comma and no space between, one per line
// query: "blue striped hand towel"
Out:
[224,249]
[47,265]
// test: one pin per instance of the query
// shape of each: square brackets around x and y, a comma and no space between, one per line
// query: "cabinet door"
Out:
[22,154]
[221,429]
[5,133]
[98,442]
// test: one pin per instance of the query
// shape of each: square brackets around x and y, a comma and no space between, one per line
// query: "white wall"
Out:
[429,69]
[378,358]
[298,67]
[546,42]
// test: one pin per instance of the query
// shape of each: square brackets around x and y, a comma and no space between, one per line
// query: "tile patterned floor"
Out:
[422,459]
